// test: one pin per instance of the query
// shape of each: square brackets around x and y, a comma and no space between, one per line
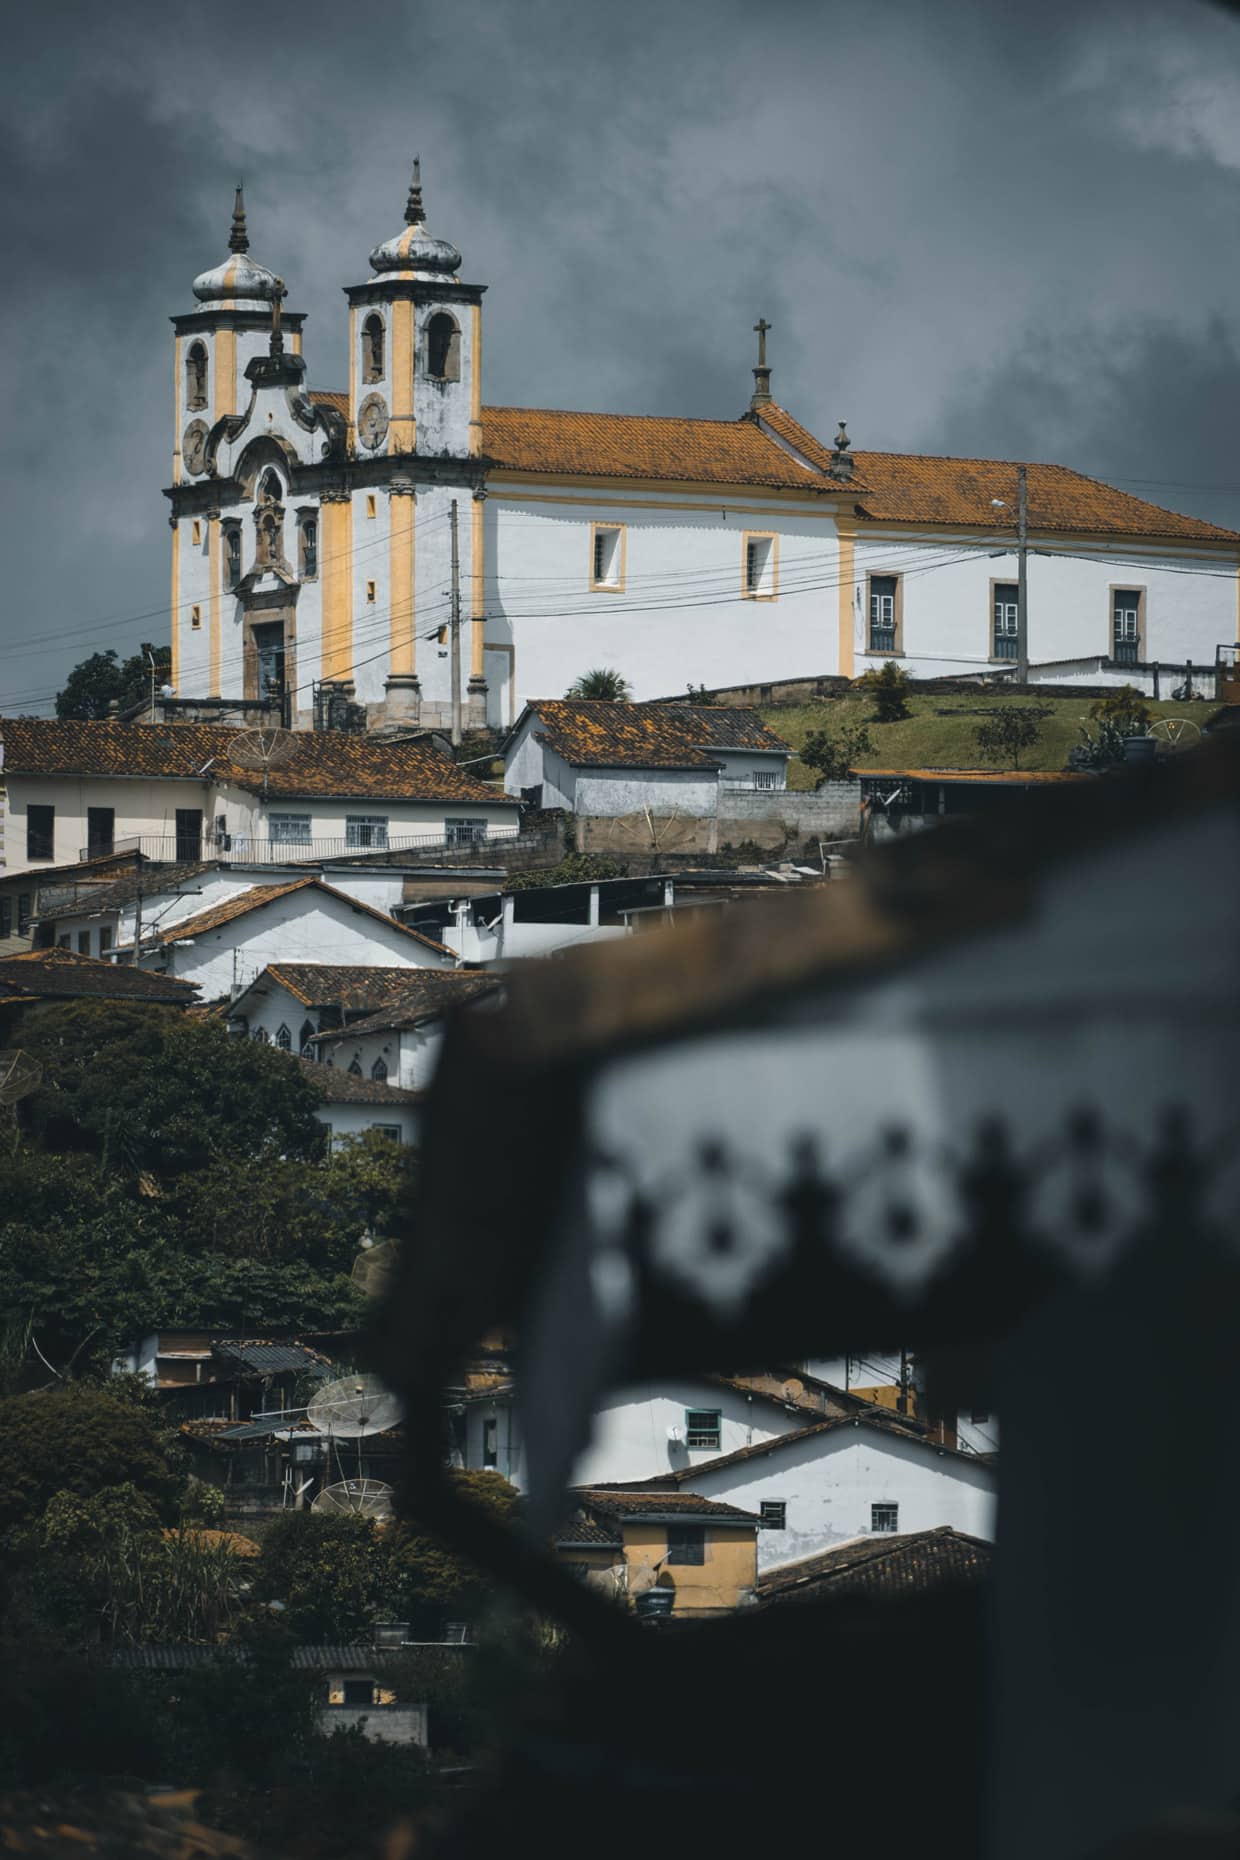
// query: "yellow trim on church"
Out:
[337,574]
[225,372]
[403,432]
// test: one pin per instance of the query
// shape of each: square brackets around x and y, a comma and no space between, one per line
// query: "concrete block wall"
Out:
[770,819]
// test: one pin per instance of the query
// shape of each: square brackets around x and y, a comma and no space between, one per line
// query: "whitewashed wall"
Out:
[691,793]
[829,1482]
[681,618]
[305,926]
[630,1433]
[409,1053]
[947,610]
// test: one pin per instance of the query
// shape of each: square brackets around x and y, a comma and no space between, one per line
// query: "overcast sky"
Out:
[976,228]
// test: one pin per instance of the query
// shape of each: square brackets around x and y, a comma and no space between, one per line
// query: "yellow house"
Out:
[625,1543]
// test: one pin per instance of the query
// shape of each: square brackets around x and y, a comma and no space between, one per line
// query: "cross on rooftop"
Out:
[760,329]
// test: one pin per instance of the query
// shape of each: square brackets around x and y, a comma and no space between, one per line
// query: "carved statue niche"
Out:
[269,525]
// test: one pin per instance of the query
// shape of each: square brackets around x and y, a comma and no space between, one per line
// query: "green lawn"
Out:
[939,733]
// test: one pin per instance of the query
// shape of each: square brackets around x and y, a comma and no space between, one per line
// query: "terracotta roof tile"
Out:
[541,440]
[259,896]
[644,736]
[341,1087]
[331,397]
[907,1564]
[63,974]
[94,900]
[351,987]
[430,992]
[329,763]
[621,1502]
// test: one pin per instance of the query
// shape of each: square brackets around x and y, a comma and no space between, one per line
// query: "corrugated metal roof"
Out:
[268,1356]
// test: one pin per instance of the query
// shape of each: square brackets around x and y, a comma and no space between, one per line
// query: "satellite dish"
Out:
[361,1498]
[353,1407]
[262,750]
[19,1075]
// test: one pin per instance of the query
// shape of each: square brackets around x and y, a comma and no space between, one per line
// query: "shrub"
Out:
[1008,732]
[831,757]
[889,688]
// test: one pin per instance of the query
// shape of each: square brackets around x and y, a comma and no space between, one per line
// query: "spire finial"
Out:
[238,238]
[414,212]
[276,343]
[761,374]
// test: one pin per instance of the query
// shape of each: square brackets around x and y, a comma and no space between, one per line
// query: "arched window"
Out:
[271,490]
[284,1037]
[232,554]
[443,348]
[308,1031]
[261,1037]
[379,1070]
[355,1066]
[372,349]
[196,376]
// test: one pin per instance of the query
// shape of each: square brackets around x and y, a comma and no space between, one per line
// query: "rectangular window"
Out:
[1005,606]
[197,531]
[370,590]
[100,831]
[884,1517]
[760,563]
[372,508]
[884,613]
[83,942]
[6,916]
[105,939]
[40,832]
[25,907]
[232,554]
[607,556]
[289,829]
[1127,613]
[703,1428]
[765,778]
[686,1543]
[64,942]
[366,832]
[309,549]
[390,1131]
[359,1692]
[464,832]
[490,1441]
[979,1420]
[189,833]
[195,618]
[774,1514]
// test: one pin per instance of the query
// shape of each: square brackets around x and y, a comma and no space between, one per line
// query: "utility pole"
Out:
[137,918]
[1022,576]
[456,632]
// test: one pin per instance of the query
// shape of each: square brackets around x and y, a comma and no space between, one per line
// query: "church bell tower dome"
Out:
[240,279]
[414,252]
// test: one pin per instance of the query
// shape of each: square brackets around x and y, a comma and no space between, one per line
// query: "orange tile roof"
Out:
[324,762]
[1016,778]
[628,445]
[594,734]
[331,397]
[258,896]
[896,487]
[44,973]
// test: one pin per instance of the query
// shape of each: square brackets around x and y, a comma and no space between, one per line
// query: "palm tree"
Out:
[603,684]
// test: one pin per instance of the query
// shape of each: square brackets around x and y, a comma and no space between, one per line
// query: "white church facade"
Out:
[313,531]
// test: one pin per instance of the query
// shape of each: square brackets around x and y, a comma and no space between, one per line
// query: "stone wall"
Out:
[773,820]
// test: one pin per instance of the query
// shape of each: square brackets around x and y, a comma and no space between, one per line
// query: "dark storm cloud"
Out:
[974,227]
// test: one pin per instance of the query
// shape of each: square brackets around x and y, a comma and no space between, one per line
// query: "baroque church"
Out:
[323,541]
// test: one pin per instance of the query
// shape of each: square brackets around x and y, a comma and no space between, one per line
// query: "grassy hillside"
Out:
[939,733]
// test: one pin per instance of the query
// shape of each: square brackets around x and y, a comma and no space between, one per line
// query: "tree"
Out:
[1008,732]
[79,1440]
[889,688]
[430,1576]
[151,1089]
[330,1571]
[603,684]
[102,680]
[832,757]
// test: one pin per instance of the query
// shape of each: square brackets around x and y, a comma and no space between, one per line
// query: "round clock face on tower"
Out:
[194,446]
[372,421]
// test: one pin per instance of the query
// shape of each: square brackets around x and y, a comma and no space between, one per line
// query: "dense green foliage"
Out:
[1122,713]
[889,688]
[574,869]
[75,1442]
[168,1174]
[604,684]
[103,679]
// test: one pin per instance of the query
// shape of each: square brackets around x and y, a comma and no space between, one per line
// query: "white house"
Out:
[641,1433]
[312,529]
[224,948]
[843,1477]
[74,790]
[402,1040]
[152,898]
[604,758]
[352,1105]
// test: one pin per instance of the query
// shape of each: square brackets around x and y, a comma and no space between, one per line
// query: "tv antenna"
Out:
[358,1498]
[262,750]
